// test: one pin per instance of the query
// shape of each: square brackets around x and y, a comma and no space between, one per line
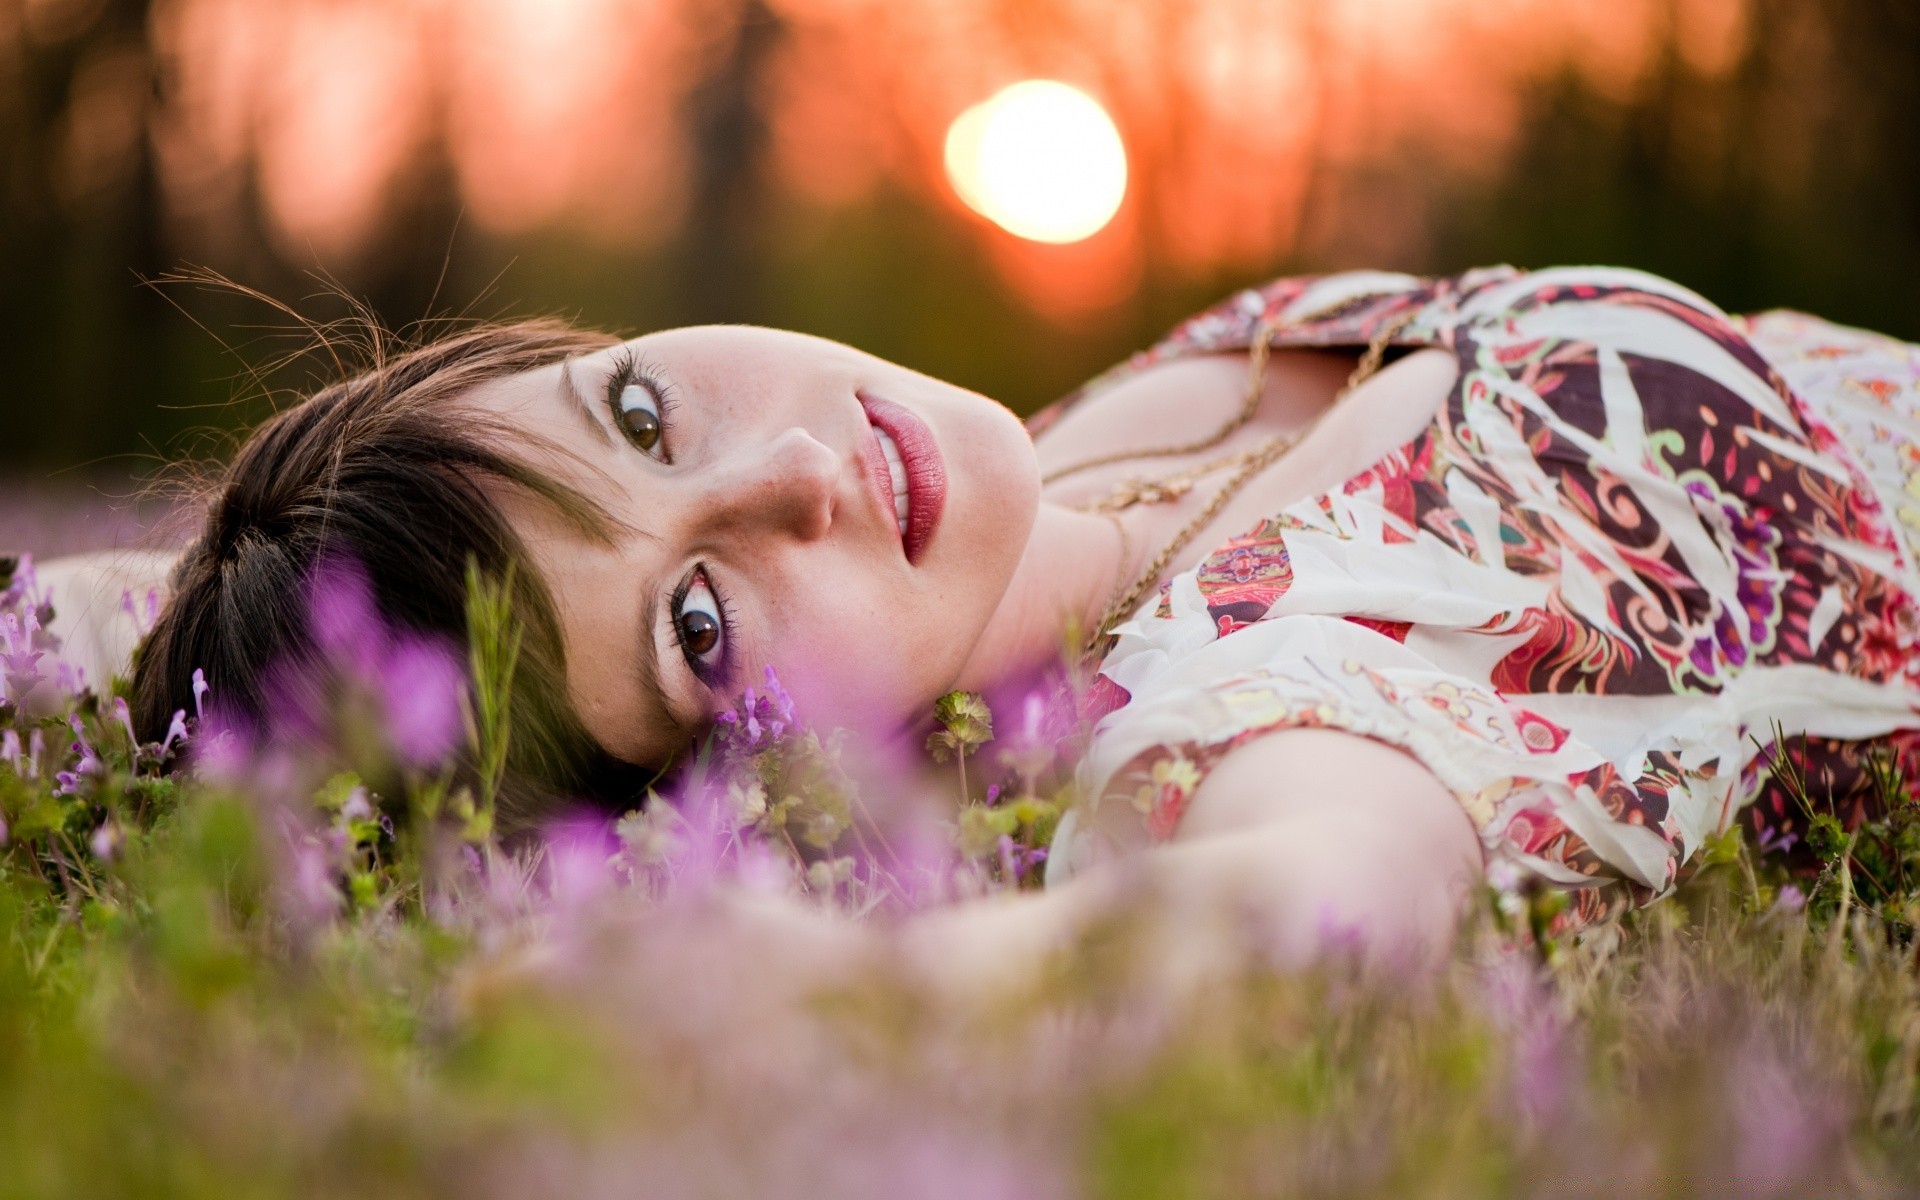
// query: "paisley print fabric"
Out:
[1640,541]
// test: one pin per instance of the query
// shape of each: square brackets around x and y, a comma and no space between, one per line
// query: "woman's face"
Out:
[765,479]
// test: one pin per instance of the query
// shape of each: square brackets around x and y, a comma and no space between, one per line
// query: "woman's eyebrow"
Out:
[580,405]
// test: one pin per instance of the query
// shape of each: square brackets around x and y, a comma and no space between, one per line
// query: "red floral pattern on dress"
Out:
[1683,517]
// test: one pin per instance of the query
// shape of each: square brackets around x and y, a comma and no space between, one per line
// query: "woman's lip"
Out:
[880,481]
[926,472]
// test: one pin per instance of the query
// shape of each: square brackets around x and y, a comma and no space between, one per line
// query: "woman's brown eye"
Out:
[700,632]
[701,627]
[639,416]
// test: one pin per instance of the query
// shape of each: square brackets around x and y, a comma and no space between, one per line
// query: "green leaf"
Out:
[1721,848]
[494,637]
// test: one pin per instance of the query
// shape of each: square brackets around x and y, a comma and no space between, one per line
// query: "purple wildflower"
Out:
[307,889]
[778,698]
[200,689]
[1541,1067]
[410,688]
[81,746]
[1337,936]
[762,717]
[1033,718]
[423,688]
[26,582]
[10,749]
[222,752]
[105,842]
[1018,862]
[125,718]
[1790,900]
[146,613]
[927,1160]
[1785,1122]
[88,763]
[69,678]
[922,864]
[19,659]
[176,732]
[579,858]
[419,683]
[1031,746]
[345,625]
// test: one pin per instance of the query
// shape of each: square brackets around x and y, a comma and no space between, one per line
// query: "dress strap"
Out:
[1350,308]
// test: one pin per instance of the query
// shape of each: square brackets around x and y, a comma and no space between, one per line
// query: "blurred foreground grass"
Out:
[258,981]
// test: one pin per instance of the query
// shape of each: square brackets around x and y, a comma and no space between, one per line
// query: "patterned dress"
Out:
[1642,544]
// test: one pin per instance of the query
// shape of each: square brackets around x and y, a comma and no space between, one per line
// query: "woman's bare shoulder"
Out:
[1170,399]
[1326,775]
[102,603]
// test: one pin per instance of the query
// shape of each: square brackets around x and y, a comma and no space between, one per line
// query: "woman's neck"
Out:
[1069,571]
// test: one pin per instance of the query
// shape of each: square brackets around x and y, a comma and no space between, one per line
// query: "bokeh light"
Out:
[1040,159]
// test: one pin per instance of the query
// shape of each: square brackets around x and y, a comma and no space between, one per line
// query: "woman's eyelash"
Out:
[630,370]
[720,677]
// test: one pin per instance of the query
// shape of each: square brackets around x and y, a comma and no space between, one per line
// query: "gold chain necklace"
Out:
[1257,353]
[1246,465]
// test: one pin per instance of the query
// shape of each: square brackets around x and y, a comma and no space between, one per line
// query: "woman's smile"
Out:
[912,476]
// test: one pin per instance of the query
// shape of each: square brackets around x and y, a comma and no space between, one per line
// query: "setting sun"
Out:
[1039,159]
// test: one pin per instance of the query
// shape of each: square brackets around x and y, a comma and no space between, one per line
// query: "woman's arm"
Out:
[1298,843]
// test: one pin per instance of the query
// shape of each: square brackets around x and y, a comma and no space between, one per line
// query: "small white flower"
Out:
[648,834]
[748,802]
[1503,877]
[827,874]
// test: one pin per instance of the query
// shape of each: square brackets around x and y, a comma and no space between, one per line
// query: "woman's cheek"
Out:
[864,646]
[848,676]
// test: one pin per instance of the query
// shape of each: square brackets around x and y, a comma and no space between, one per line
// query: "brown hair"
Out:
[376,468]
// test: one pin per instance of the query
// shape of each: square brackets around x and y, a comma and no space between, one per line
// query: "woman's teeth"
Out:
[897,471]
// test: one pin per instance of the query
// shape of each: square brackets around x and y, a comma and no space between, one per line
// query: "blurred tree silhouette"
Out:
[100,366]
[723,250]
[1789,176]
[80,217]
[1793,180]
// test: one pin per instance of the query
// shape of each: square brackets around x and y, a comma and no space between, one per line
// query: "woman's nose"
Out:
[787,485]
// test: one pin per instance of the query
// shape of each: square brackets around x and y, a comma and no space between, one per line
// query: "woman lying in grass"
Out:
[1374,583]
